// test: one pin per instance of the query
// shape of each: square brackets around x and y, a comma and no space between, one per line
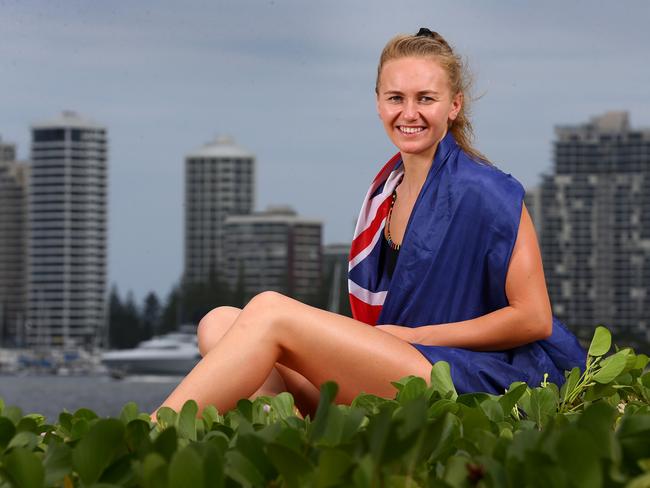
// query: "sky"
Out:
[293,81]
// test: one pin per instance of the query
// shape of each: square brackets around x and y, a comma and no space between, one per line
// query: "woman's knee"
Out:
[214,325]
[265,311]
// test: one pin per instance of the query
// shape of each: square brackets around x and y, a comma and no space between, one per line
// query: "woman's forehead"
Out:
[413,74]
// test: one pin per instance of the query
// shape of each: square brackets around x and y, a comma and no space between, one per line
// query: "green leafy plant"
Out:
[593,431]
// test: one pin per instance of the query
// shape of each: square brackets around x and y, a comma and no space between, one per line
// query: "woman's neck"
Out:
[416,169]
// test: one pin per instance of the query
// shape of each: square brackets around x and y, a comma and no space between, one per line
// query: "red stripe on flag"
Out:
[363,312]
[364,239]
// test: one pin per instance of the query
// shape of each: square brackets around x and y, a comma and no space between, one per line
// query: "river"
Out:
[50,395]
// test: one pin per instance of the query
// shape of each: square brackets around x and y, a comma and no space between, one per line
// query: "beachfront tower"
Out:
[14,177]
[595,234]
[219,181]
[274,250]
[67,233]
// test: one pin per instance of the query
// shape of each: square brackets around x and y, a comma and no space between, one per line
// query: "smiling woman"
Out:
[444,265]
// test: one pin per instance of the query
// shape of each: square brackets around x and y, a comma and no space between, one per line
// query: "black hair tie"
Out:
[424,32]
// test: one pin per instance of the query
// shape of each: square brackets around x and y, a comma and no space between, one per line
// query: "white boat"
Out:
[175,353]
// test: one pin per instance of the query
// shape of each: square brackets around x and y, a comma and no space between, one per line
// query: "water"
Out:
[50,395]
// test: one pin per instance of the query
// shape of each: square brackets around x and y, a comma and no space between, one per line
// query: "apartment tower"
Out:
[219,181]
[595,226]
[274,250]
[68,233]
[14,177]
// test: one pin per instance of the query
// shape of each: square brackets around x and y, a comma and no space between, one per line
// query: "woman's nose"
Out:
[410,111]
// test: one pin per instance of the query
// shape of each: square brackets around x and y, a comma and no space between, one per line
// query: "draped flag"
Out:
[452,267]
[367,293]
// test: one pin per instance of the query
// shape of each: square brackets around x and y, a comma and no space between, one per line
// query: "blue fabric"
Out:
[452,267]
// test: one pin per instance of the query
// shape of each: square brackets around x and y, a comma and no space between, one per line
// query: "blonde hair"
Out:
[427,44]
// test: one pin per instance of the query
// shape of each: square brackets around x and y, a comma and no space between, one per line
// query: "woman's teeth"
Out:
[411,130]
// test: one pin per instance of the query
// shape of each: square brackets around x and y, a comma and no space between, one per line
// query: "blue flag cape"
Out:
[452,267]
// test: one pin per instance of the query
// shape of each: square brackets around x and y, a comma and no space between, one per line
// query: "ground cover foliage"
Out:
[593,431]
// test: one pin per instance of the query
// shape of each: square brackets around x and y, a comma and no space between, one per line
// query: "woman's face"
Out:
[415,104]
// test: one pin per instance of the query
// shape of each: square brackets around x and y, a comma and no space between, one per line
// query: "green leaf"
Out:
[28,424]
[601,342]
[320,425]
[641,481]
[187,420]
[85,413]
[7,431]
[166,443]
[57,462]
[411,387]
[333,464]
[641,362]
[441,380]
[543,405]
[633,434]
[579,456]
[13,413]
[28,440]
[210,416]
[611,367]
[213,464]
[570,384]
[65,422]
[154,471]
[282,405]
[24,468]
[292,465]
[129,412]
[137,436]
[245,409]
[493,410]
[242,470]
[95,451]
[598,421]
[369,403]
[456,470]
[445,431]
[166,417]
[379,433]
[186,469]
[512,396]
[2,405]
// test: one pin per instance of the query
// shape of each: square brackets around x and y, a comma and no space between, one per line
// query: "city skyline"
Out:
[298,93]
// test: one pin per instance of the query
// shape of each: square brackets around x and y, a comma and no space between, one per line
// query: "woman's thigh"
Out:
[325,346]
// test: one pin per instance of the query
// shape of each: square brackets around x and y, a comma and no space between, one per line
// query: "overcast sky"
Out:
[293,81]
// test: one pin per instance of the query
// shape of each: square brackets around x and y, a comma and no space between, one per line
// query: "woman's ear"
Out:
[456,105]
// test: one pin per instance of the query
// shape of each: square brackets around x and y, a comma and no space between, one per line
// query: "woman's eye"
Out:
[395,98]
[426,99]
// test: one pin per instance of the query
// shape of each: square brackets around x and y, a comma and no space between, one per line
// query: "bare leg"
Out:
[214,326]
[319,345]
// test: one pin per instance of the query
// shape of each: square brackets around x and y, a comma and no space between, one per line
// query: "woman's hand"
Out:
[405,333]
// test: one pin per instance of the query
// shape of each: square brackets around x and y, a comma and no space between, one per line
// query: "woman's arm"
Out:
[526,319]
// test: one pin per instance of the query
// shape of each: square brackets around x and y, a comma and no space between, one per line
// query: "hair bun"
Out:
[425,32]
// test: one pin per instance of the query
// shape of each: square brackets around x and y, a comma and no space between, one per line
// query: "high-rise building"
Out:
[595,233]
[219,181]
[14,177]
[274,250]
[68,233]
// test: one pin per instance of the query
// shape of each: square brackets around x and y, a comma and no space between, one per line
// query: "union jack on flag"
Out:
[367,288]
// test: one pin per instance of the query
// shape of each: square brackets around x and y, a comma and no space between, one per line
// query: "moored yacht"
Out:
[175,353]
